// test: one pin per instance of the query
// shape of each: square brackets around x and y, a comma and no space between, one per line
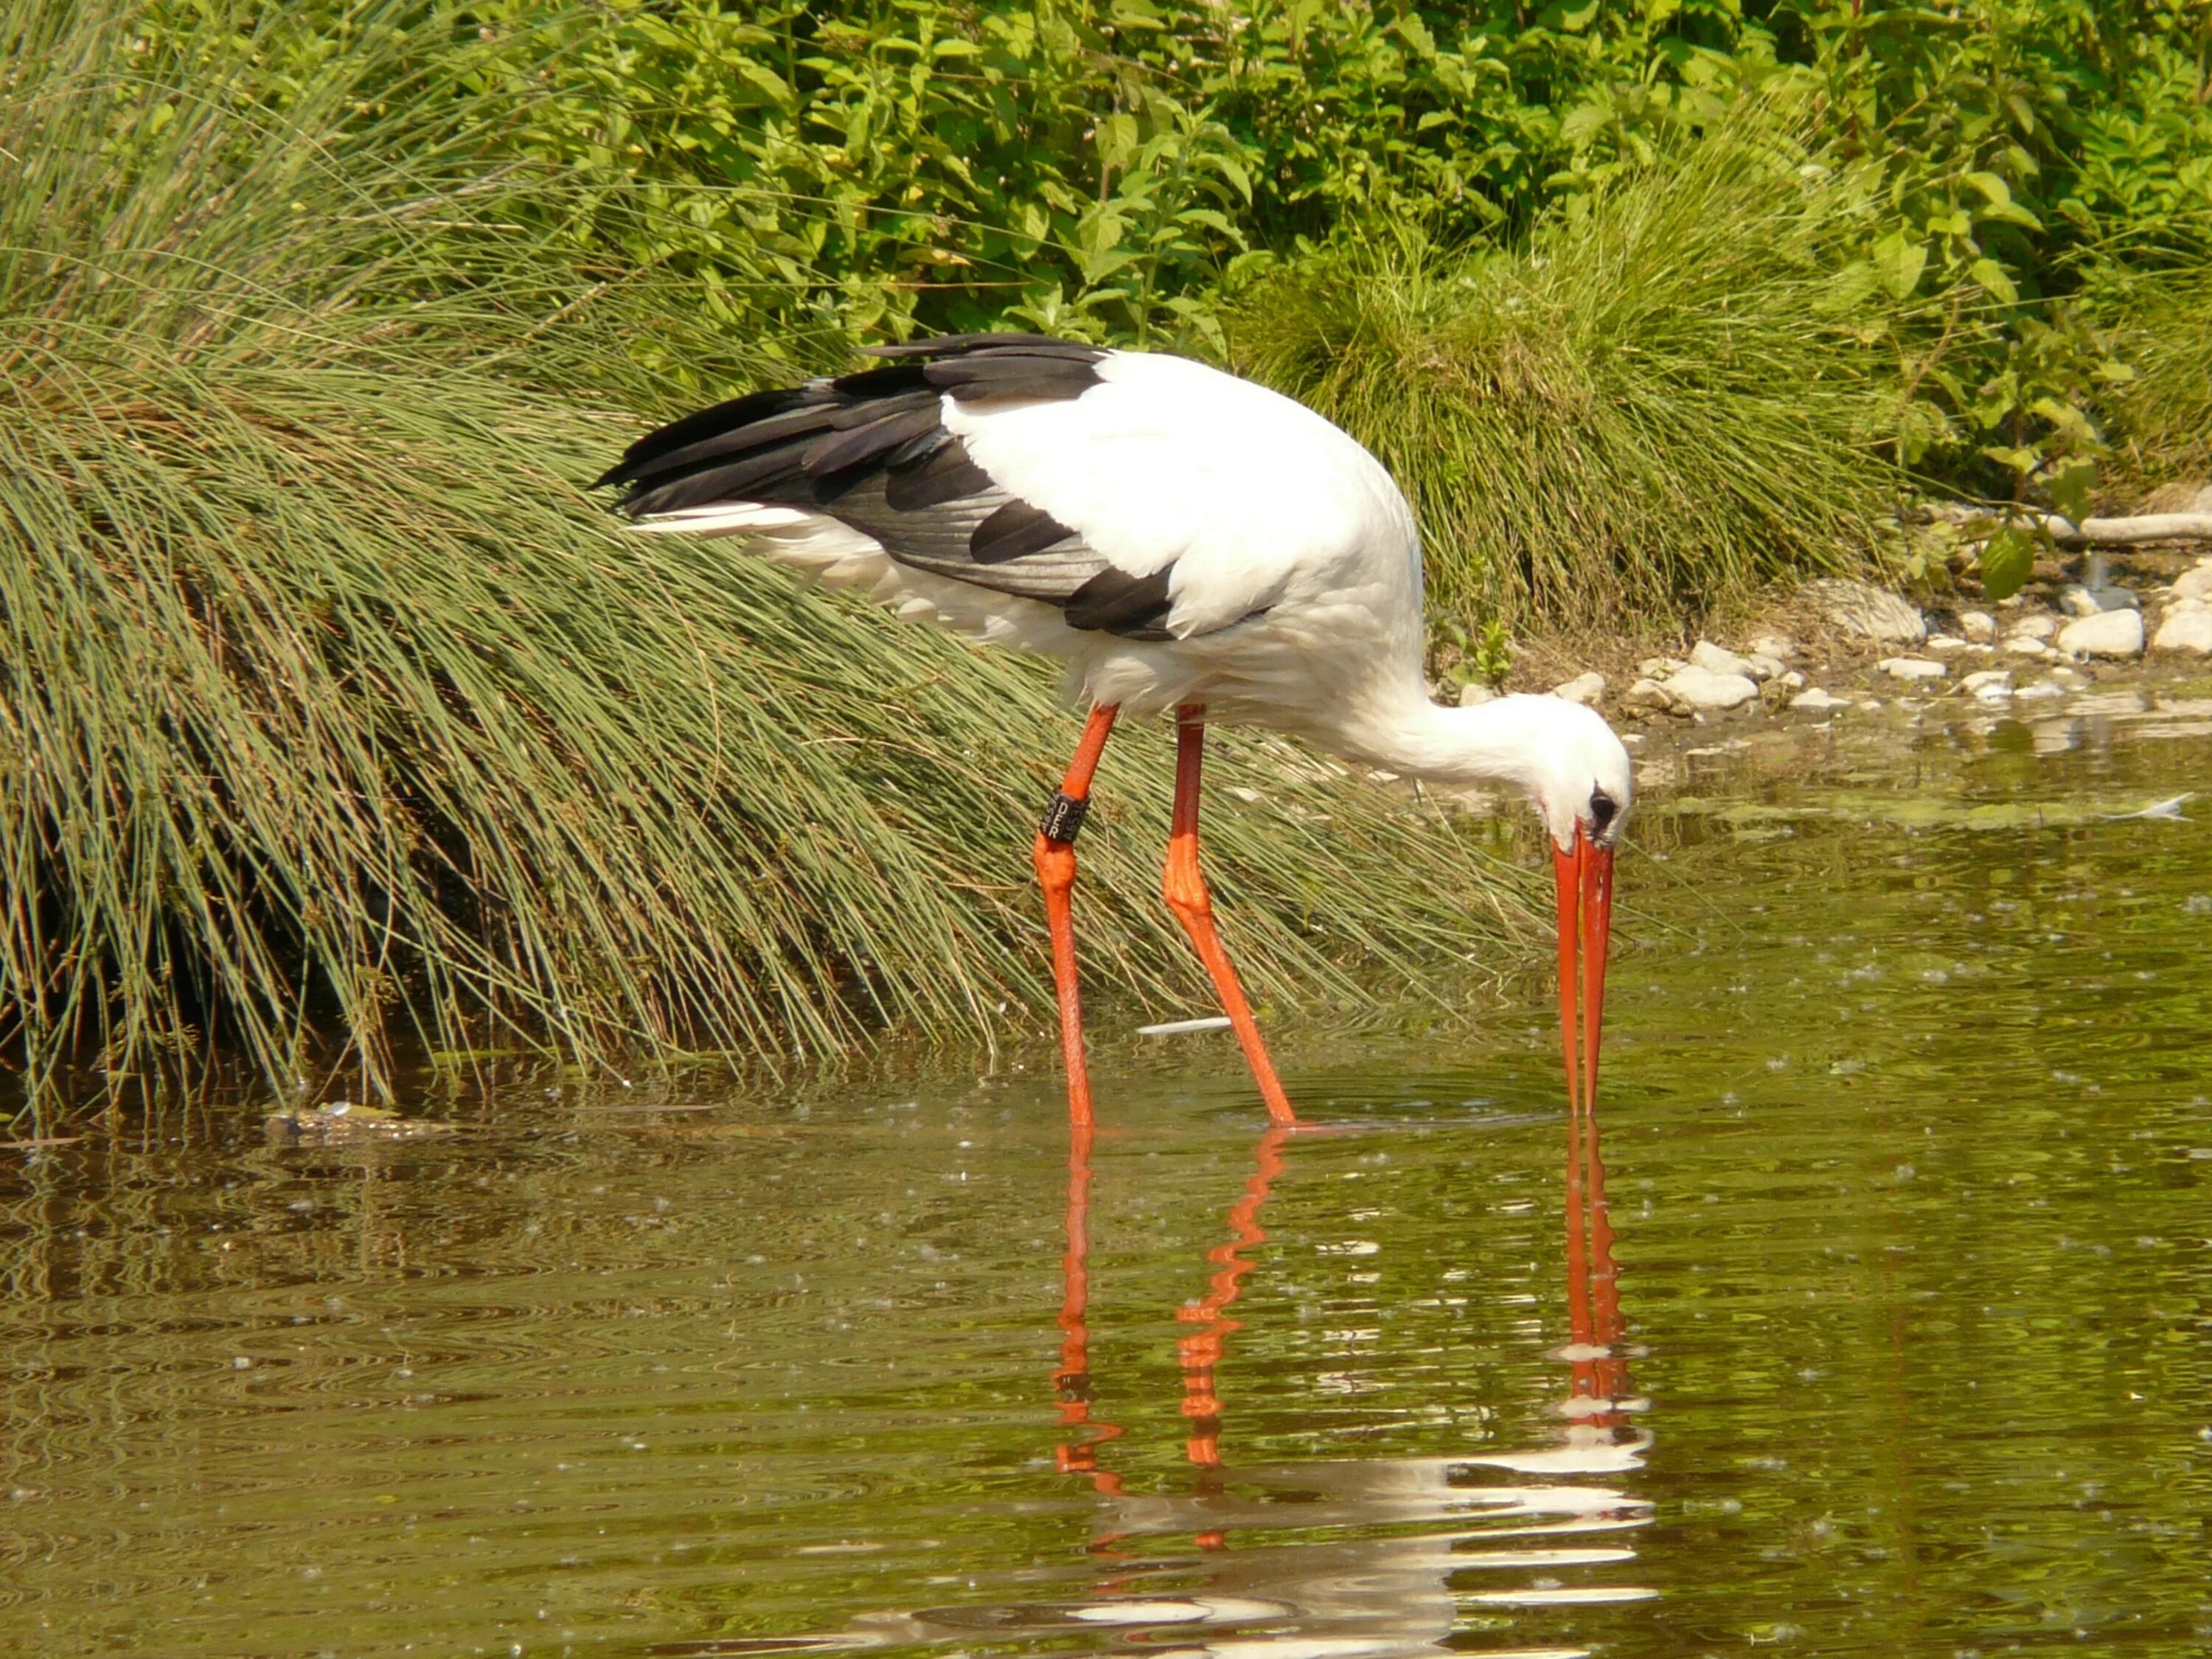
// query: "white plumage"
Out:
[1179,538]
[1294,576]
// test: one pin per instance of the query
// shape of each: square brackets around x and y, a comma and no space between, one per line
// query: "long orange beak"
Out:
[1585,928]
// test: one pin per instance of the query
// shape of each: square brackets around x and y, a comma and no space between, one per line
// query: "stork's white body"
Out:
[1176,537]
[1295,575]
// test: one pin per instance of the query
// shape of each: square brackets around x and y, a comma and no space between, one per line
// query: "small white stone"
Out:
[2106,634]
[1911,668]
[1472,694]
[1700,688]
[2020,646]
[2076,600]
[1986,679]
[1978,626]
[1945,643]
[1763,667]
[1869,612]
[2196,582]
[1718,659]
[2041,688]
[2186,628]
[1658,668]
[1817,702]
[1780,646]
[1646,697]
[1790,681]
[2034,625]
[1584,688]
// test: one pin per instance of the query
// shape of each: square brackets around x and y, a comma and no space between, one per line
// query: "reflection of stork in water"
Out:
[1354,1556]
[1344,1558]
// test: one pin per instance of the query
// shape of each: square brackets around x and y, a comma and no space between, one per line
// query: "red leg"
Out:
[1185,887]
[1054,857]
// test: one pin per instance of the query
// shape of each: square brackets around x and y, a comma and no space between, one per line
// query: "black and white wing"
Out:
[1142,495]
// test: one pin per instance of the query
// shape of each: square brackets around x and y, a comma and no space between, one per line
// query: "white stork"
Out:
[1178,536]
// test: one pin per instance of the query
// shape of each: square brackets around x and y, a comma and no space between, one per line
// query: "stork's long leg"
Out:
[1054,857]
[1185,888]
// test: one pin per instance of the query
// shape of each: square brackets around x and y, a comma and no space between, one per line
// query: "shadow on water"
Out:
[1338,1558]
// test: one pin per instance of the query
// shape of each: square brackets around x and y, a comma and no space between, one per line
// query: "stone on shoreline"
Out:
[1911,668]
[1584,688]
[1472,693]
[1700,688]
[2021,645]
[1646,697]
[1989,685]
[2196,582]
[1978,626]
[2035,625]
[1817,702]
[2185,627]
[1867,611]
[1658,668]
[2106,634]
[1719,659]
[1780,646]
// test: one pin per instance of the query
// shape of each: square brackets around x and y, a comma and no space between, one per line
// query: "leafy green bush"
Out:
[330,707]
[1677,391]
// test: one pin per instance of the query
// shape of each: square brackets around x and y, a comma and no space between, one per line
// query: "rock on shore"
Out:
[2105,634]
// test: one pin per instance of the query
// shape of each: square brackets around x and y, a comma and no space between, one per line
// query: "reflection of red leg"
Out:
[1185,888]
[1054,857]
[1200,1352]
[1071,1381]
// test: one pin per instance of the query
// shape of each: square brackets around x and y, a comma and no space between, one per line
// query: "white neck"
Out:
[1502,741]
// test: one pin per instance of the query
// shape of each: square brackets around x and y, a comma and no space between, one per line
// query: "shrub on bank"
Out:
[1691,385]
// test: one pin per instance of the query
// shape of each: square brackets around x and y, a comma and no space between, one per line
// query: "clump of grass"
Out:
[1676,390]
[2161,418]
[331,713]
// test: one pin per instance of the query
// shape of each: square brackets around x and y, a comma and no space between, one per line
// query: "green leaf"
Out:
[1994,189]
[2071,485]
[1990,275]
[1900,263]
[2007,561]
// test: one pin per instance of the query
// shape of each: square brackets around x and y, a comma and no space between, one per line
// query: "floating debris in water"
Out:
[1184,1027]
[2164,809]
[342,1121]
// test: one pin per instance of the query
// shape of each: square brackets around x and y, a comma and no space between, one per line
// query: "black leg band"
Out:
[1063,818]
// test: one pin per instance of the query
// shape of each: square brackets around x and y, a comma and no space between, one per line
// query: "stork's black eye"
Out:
[1602,807]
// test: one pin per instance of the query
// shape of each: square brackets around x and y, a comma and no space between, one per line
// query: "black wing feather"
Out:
[871,450]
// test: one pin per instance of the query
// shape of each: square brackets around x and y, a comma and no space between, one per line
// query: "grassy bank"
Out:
[334,715]
[1689,387]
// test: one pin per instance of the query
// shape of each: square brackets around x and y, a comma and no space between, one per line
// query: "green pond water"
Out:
[1908,1156]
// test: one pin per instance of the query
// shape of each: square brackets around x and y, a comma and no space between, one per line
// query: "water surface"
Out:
[1906,1146]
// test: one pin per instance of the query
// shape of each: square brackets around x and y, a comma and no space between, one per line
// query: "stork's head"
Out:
[1577,774]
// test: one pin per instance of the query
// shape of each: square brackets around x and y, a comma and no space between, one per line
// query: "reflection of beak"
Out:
[1585,921]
